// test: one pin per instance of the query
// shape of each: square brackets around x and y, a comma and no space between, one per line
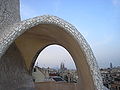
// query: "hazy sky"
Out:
[97,20]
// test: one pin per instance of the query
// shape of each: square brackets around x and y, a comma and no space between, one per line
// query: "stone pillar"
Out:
[13,72]
[9,12]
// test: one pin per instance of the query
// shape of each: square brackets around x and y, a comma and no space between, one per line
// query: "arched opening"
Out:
[36,34]
[55,68]
[53,52]
[43,35]
[53,55]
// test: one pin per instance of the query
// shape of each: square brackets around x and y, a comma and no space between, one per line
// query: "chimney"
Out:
[9,13]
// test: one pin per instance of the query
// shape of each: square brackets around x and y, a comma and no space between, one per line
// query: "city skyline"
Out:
[45,57]
[98,21]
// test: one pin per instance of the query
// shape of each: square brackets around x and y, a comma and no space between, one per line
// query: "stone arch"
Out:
[71,39]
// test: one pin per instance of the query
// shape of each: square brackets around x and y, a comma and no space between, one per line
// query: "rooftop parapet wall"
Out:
[56,86]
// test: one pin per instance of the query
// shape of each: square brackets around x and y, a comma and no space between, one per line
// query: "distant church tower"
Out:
[111,66]
[62,67]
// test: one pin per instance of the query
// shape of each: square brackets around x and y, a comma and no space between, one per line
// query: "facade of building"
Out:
[39,74]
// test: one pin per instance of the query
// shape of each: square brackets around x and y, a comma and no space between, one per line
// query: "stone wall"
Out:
[56,86]
[13,72]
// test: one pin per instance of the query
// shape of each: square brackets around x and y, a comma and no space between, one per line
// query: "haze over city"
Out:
[97,20]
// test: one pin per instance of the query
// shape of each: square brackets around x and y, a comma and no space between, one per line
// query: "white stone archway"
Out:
[46,30]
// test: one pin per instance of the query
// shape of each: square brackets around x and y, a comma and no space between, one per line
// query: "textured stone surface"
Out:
[13,72]
[9,12]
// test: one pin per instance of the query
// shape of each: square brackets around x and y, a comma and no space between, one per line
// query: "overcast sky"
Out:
[97,20]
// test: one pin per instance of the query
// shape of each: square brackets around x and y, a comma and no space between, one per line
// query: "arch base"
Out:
[13,72]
